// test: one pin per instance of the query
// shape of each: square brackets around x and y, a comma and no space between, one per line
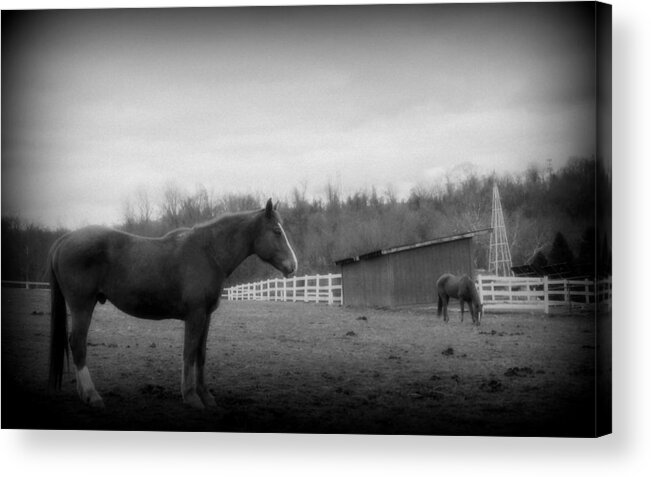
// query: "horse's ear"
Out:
[276,205]
[269,208]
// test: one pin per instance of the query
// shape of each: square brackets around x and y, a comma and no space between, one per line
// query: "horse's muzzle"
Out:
[288,268]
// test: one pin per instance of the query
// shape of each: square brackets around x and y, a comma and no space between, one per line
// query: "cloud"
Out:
[101,102]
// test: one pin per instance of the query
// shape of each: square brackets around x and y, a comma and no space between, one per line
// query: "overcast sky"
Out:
[99,104]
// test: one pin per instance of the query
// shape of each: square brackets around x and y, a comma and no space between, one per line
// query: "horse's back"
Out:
[447,284]
[79,249]
[466,281]
[95,244]
[91,257]
[455,286]
[444,279]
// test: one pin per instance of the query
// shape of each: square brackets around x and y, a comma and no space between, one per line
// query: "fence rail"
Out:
[496,293]
[308,288]
[28,285]
[542,293]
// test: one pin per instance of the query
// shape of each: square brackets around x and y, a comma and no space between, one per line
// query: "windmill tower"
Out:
[499,256]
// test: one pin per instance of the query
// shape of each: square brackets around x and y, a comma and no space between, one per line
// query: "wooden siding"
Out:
[407,277]
[368,281]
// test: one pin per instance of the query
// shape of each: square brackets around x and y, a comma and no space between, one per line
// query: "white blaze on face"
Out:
[289,246]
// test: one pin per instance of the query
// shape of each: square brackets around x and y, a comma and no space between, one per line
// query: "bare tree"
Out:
[171,205]
[128,215]
[143,206]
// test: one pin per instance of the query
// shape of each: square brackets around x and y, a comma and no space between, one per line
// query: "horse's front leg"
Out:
[195,323]
[462,310]
[202,390]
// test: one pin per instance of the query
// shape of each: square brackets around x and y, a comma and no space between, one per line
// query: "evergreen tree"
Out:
[588,247]
[539,260]
[560,252]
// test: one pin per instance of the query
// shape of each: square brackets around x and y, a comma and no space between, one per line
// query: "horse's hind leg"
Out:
[446,300]
[462,310]
[78,334]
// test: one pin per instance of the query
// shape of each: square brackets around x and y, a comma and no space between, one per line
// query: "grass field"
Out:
[304,368]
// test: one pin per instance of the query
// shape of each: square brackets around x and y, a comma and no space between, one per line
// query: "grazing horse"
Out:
[179,275]
[463,288]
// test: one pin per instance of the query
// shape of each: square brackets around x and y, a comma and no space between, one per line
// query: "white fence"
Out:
[28,285]
[309,288]
[541,293]
[497,293]
[315,289]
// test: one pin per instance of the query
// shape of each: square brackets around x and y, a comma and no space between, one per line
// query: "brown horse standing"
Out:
[463,288]
[179,275]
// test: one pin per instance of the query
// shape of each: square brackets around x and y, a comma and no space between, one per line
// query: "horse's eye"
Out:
[277,231]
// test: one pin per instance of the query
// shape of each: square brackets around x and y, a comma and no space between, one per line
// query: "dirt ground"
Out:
[305,368]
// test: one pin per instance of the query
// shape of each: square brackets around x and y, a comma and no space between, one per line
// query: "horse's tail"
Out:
[58,328]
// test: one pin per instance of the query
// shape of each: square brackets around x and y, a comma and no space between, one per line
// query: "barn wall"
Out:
[368,282]
[416,271]
[407,277]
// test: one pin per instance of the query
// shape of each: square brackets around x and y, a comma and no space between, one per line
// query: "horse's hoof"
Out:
[193,401]
[97,403]
[208,400]
[92,399]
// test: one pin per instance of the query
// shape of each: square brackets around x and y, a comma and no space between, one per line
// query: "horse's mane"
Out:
[473,289]
[225,219]
[175,232]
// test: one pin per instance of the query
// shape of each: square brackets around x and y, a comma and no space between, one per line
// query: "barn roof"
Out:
[402,248]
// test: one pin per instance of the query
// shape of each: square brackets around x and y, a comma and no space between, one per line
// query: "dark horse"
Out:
[179,275]
[463,288]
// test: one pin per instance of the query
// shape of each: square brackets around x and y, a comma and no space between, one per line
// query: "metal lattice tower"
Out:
[499,256]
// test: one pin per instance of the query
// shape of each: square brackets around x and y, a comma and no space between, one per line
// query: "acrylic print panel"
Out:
[403,142]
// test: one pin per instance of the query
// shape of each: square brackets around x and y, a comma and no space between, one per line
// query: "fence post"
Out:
[293,288]
[546,293]
[512,285]
[341,289]
[330,294]
[568,297]
[480,289]
[587,291]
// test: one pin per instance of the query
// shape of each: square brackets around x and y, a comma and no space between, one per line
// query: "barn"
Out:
[405,275]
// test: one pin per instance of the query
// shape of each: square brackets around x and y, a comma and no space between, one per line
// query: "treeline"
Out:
[537,205]
[25,248]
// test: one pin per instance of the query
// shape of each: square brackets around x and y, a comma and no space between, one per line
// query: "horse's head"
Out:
[271,243]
